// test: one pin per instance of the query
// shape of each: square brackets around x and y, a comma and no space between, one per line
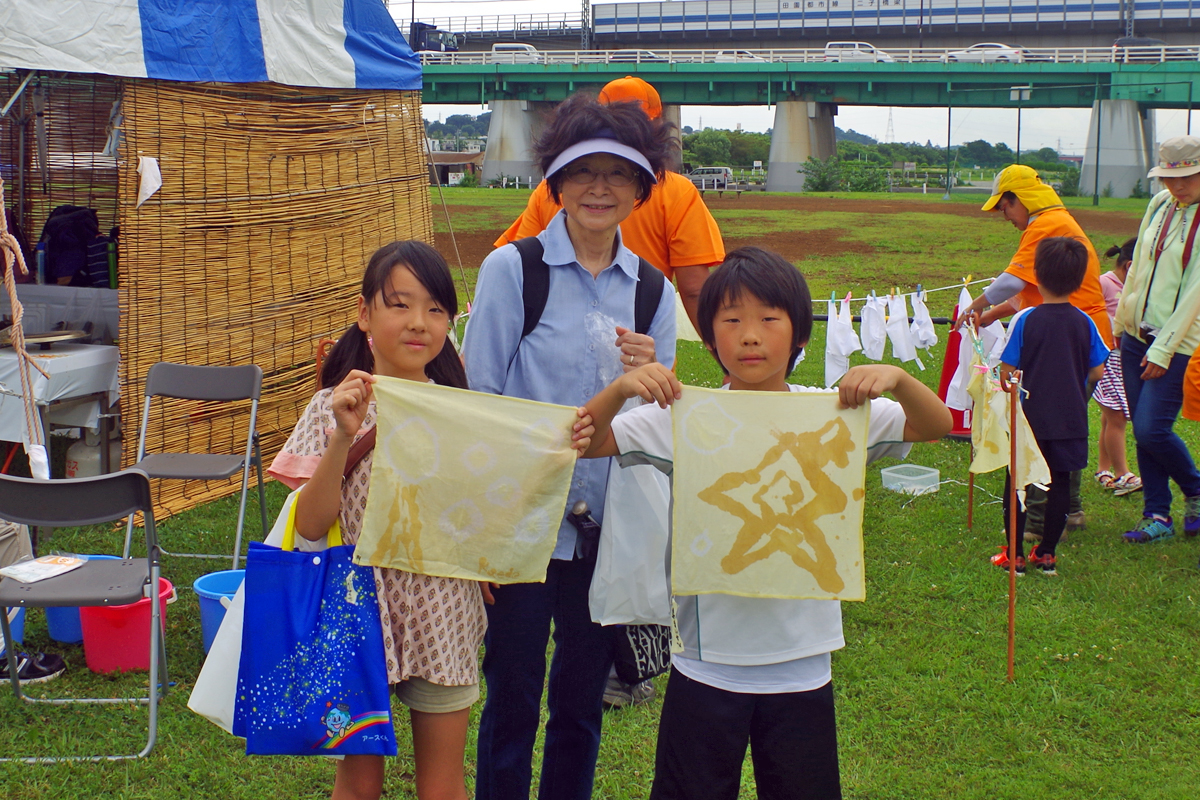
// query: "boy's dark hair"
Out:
[582,116]
[1060,264]
[769,277]
[352,350]
[1123,252]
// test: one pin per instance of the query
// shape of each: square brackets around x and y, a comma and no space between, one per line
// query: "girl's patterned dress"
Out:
[432,626]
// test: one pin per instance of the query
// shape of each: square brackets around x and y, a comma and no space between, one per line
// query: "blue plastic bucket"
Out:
[63,621]
[16,623]
[211,588]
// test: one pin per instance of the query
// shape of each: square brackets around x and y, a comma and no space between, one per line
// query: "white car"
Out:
[636,57]
[856,51]
[988,53]
[515,53]
[736,56]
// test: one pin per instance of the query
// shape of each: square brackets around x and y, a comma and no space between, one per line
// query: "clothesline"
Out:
[926,291]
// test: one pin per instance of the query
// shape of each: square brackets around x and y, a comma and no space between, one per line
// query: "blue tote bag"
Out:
[312,678]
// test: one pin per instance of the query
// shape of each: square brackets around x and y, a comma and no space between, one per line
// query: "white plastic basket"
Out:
[910,479]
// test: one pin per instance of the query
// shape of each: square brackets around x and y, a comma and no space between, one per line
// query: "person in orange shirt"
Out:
[673,229]
[1035,209]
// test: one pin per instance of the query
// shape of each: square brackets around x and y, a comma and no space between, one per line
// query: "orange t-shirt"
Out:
[1089,297]
[1191,388]
[673,228]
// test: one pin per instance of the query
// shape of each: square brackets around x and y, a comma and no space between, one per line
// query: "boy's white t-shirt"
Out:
[748,644]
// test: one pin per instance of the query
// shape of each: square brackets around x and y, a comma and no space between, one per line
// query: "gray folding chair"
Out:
[216,384]
[88,501]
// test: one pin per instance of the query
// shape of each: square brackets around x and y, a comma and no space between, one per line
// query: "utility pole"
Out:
[585,28]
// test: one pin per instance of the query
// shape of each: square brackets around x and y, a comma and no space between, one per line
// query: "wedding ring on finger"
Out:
[631,359]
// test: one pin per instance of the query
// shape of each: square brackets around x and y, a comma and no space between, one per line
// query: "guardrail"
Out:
[496,24]
[1043,55]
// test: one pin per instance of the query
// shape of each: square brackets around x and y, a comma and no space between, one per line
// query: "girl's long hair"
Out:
[352,350]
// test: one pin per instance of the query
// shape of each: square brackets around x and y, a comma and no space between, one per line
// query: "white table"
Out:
[83,382]
[48,305]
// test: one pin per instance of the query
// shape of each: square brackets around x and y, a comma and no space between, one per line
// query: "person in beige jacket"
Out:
[1158,324]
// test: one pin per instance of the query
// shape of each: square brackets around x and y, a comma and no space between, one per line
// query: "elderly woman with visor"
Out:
[1158,321]
[600,161]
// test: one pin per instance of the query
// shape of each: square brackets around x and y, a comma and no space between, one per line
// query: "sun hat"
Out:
[631,88]
[603,142]
[1177,158]
[1024,182]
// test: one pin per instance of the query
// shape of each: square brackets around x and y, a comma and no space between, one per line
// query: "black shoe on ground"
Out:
[35,667]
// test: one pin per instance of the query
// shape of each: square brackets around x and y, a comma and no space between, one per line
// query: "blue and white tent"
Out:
[336,44]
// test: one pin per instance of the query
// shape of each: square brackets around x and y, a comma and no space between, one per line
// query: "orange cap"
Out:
[631,88]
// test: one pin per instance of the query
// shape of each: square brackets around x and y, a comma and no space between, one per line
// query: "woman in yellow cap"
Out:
[1036,210]
[1158,320]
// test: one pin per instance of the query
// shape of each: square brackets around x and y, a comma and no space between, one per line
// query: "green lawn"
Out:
[1106,702]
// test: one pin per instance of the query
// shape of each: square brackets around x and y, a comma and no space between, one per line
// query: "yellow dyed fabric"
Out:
[465,484]
[768,495]
[989,433]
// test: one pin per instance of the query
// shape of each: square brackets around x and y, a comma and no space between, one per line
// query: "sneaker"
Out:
[1075,522]
[1127,484]
[1106,479]
[36,667]
[1150,529]
[1191,515]
[1001,560]
[618,694]
[1046,563]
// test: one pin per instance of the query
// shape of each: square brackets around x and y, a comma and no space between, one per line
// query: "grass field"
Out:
[1106,702]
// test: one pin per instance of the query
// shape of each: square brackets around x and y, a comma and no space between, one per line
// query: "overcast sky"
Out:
[1039,127]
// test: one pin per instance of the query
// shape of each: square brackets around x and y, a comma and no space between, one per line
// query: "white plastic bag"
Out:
[216,686]
[629,584]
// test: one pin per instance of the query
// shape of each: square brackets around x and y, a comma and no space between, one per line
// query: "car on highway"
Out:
[856,51]
[515,53]
[736,56]
[636,57]
[988,53]
[1134,49]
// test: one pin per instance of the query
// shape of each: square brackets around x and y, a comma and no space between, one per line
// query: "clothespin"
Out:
[847,300]
[920,292]
[966,280]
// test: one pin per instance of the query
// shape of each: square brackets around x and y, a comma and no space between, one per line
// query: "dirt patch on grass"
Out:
[1117,223]
[473,247]
[793,245]
[796,246]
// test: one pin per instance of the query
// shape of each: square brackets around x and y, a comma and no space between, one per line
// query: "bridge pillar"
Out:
[514,127]
[674,115]
[1126,148]
[802,129]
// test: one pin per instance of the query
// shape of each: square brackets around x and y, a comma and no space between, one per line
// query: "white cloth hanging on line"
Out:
[923,334]
[840,342]
[897,330]
[873,328]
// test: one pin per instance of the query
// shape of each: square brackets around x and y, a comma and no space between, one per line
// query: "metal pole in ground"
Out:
[1013,389]
[949,111]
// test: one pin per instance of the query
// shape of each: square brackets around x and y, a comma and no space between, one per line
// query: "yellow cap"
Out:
[631,88]
[1024,182]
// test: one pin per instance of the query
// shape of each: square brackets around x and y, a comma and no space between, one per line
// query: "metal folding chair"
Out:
[215,384]
[88,501]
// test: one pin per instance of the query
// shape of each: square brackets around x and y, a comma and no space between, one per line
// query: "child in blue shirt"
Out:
[1061,356]
[754,671]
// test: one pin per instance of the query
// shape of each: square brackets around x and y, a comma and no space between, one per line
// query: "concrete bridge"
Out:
[806,90]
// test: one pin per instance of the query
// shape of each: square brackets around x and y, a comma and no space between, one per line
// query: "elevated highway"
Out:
[806,90]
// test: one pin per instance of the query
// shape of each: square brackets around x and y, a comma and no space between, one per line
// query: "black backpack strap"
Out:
[535,287]
[647,295]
